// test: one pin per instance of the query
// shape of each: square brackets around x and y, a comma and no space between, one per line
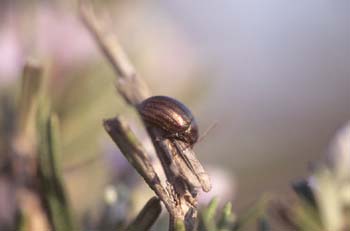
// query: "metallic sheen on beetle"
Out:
[171,116]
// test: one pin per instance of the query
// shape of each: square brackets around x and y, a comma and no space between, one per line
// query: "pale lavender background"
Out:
[282,83]
[278,80]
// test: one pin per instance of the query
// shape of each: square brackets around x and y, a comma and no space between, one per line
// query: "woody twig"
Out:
[178,193]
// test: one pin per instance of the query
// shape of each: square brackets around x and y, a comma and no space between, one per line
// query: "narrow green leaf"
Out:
[307,217]
[57,204]
[227,218]
[210,211]
[147,217]
[253,214]
[207,219]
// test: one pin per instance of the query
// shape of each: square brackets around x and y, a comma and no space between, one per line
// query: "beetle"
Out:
[177,124]
[171,116]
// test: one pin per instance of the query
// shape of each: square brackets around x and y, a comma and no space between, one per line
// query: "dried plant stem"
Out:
[177,196]
[24,155]
[52,188]
[134,153]
[148,215]
[129,85]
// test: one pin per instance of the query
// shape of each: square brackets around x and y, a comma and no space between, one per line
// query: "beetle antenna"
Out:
[206,132]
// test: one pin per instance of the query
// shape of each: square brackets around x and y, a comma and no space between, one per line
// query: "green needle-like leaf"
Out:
[227,218]
[50,174]
[207,220]
[147,217]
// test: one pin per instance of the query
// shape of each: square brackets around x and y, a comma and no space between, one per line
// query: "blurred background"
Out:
[275,75]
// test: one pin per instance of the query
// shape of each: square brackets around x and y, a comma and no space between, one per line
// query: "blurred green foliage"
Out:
[320,202]
[60,117]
